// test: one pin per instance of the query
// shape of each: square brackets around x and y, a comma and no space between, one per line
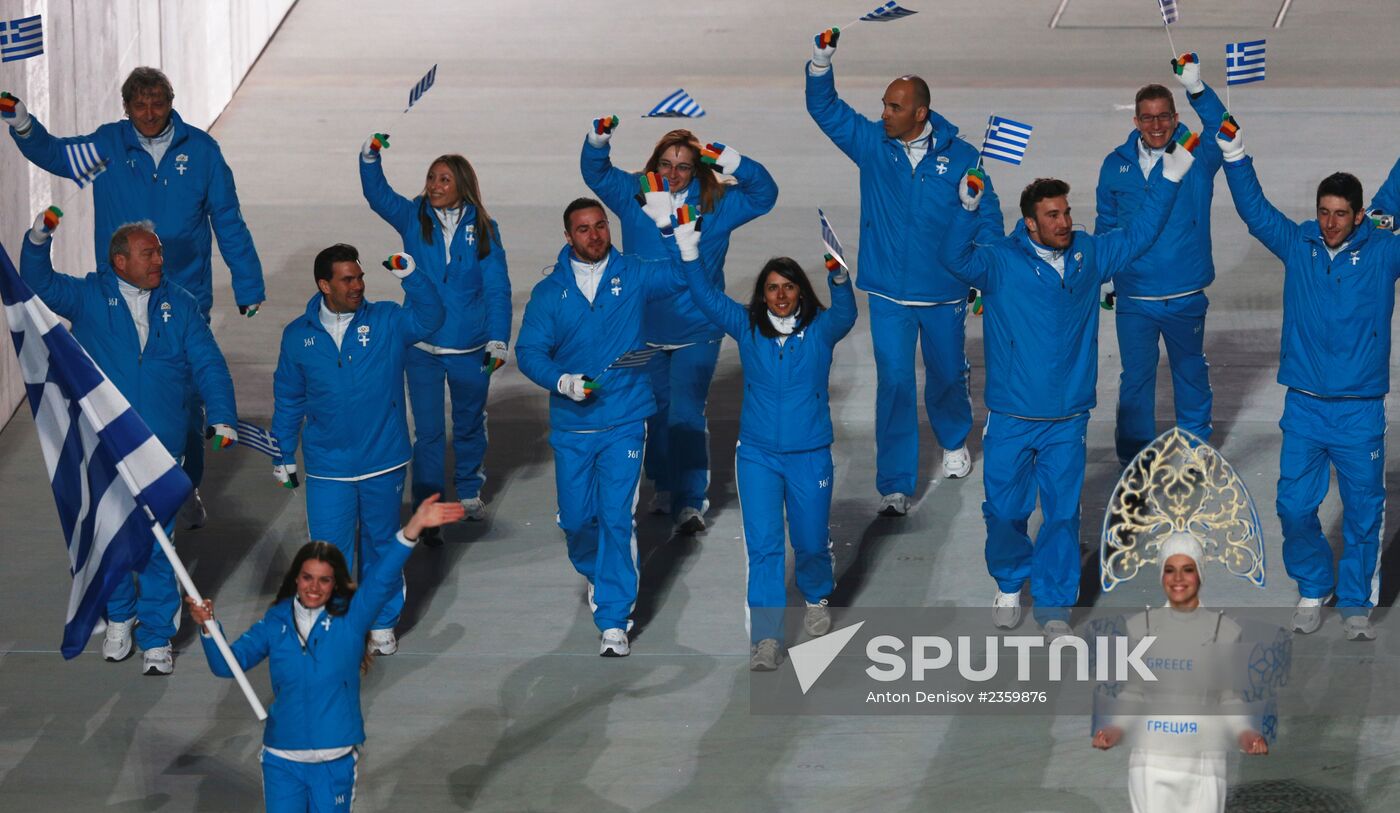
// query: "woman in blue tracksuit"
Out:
[677,450]
[448,232]
[783,458]
[314,640]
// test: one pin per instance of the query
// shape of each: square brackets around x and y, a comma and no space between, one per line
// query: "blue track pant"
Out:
[1349,433]
[678,438]
[1021,459]
[1181,324]
[335,509]
[596,475]
[156,605]
[467,385]
[770,485]
[938,330]
[309,787]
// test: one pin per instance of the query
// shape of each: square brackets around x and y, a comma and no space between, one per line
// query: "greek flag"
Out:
[634,358]
[885,13]
[1169,11]
[831,241]
[1006,140]
[258,439]
[84,162]
[111,478]
[677,105]
[21,38]
[1244,62]
[422,87]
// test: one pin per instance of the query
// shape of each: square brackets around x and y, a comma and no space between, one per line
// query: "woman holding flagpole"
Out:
[679,173]
[313,638]
[447,230]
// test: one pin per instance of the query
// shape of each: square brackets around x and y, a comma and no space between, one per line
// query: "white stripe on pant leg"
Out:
[1380,540]
[354,777]
[743,537]
[636,560]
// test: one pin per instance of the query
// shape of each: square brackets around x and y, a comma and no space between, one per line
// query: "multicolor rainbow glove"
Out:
[1230,140]
[221,436]
[370,151]
[44,225]
[974,302]
[655,198]
[836,272]
[824,47]
[576,386]
[717,155]
[1108,297]
[495,357]
[14,113]
[686,225]
[602,131]
[286,474]
[1177,160]
[1187,68]
[400,265]
[249,310]
[970,191]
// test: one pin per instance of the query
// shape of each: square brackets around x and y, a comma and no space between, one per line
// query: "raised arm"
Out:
[959,252]
[382,581]
[423,311]
[1105,207]
[616,188]
[235,241]
[48,152]
[393,208]
[1388,198]
[1117,249]
[837,320]
[1265,222]
[730,316]
[847,129]
[754,196]
[62,293]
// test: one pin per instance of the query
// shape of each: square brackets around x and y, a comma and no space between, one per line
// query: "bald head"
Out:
[906,104]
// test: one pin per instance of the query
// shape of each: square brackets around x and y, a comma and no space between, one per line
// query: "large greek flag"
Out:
[423,86]
[887,12]
[85,163]
[1006,140]
[1244,62]
[111,477]
[677,105]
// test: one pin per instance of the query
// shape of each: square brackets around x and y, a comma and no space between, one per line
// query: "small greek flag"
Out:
[258,439]
[84,162]
[1244,62]
[21,38]
[640,357]
[1006,140]
[422,87]
[1169,11]
[112,479]
[831,241]
[887,12]
[677,105]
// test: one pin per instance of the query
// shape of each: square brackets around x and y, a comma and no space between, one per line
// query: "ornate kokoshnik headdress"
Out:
[1178,485]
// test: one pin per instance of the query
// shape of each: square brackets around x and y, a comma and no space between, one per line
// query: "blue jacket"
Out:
[1336,312]
[180,350]
[675,319]
[786,385]
[351,398]
[563,333]
[904,210]
[191,189]
[476,292]
[1180,261]
[1041,332]
[316,688]
[1388,198]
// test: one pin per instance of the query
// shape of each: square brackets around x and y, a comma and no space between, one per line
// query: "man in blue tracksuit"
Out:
[1162,294]
[581,319]
[339,391]
[163,170]
[1040,288]
[1334,358]
[149,337]
[677,455]
[911,162]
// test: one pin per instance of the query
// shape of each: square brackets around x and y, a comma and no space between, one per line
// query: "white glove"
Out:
[221,436]
[717,155]
[655,198]
[602,131]
[1233,148]
[286,475]
[574,386]
[824,47]
[1187,69]
[1177,160]
[369,153]
[14,113]
[495,357]
[687,233]
[400,265]
[44,225]
[971,189]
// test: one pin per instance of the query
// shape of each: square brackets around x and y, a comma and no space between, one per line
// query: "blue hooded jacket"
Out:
[1388,198]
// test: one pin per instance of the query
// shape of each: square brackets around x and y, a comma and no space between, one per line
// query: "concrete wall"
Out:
[206,48]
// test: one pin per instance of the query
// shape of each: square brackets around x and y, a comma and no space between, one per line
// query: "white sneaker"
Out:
[1006,609]
[1358,628]
[817,620]
[1308,617]
[690,522]
[614,644]
[382,642]
[765,656]
[159,661]
[192,513]
[475,508]
[1056,629]
[661,502]
[957,463]
[893,505]
[116,646]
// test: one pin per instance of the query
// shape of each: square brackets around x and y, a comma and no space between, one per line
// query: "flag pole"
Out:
[986,135]
[1168,28]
